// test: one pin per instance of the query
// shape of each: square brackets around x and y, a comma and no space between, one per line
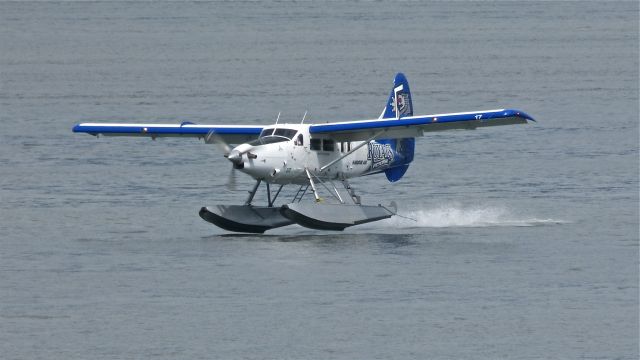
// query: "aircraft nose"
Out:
[235,157]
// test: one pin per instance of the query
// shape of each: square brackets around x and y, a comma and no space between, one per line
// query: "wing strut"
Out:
[352,150]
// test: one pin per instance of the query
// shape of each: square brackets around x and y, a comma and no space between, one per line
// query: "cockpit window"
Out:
[270,136]
[266,132]
[268,140]
[288,133]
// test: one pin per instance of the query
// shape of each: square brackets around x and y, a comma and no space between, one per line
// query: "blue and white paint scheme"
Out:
[304,154]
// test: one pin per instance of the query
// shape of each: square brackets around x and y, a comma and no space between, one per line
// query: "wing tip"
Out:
[520,114]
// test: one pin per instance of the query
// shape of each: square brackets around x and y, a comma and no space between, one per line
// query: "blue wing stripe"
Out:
[420,121]
[152,129]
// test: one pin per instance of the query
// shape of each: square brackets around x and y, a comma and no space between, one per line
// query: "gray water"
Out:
[526,239]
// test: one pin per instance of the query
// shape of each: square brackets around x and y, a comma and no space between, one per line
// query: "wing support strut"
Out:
[352,150]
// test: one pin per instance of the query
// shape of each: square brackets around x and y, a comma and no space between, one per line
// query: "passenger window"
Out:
[300,140]
[327,145]
[315,144]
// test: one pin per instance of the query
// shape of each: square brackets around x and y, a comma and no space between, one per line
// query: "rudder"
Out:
[403,149]
[400,97]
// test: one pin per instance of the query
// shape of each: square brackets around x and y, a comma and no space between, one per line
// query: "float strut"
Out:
[313,186]
[275,196]
[268,194]
[355,198]
[252,193]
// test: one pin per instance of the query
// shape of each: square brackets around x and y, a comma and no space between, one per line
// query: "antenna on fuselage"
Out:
[278,118]
[303,116]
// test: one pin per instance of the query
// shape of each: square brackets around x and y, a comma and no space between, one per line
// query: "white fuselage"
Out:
[284,151]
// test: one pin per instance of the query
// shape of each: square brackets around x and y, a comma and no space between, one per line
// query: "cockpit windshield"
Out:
[288,133]
[270,136]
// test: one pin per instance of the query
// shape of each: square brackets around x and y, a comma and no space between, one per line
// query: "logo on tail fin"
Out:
[402,106]
[399,103]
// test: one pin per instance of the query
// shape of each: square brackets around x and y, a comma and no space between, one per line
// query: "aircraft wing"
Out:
[414,126]
[231,134]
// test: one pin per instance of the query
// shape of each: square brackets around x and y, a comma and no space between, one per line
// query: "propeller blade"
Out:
[231,182]
[213,138]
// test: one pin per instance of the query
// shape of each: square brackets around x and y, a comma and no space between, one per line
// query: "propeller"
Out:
[231,180]
[233,155]
[213,138]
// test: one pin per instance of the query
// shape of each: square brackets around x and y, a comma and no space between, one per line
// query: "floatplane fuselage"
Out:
[284,153]
[314,157]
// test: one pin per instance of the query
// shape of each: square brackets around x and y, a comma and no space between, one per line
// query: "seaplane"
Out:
[314,157]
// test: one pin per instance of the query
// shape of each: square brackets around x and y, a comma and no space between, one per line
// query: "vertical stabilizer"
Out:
[399,105]
[400,99]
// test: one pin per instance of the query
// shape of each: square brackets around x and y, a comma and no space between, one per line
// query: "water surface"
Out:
[525,243]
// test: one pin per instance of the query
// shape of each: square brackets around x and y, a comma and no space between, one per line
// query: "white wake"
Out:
[461,216]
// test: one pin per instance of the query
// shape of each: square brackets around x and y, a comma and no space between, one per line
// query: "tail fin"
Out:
[400,99]
[398,106]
